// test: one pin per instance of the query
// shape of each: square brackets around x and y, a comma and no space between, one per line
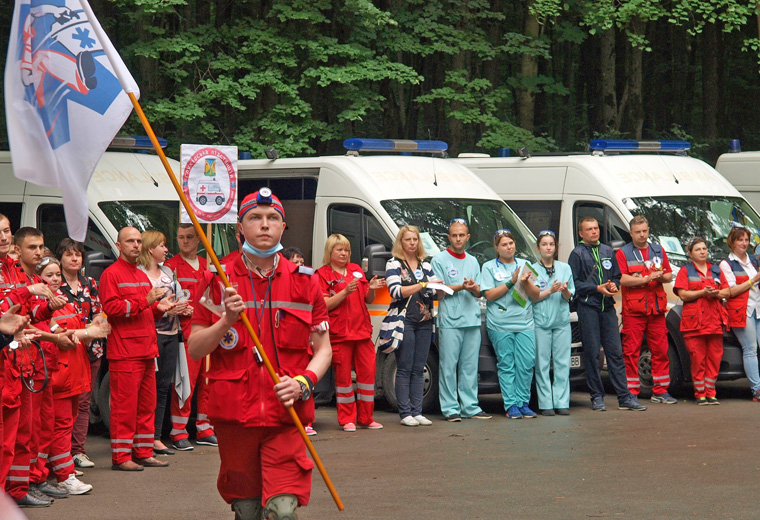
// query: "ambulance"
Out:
[368,198]
[742,169]
[681,197]
[128,188]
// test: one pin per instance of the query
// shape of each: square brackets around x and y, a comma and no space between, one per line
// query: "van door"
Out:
[50,219]
[358,225]
[611,226]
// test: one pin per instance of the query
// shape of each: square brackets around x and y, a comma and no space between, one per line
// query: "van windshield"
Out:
[674,221]
[159,215]
[432,216]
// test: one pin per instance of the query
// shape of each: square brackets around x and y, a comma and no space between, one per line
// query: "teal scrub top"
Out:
[460,309]
[553,311]
[504,314]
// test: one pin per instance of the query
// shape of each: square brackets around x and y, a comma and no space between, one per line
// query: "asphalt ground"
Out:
[670,462]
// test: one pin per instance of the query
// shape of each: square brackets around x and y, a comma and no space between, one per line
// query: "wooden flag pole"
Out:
[223,276]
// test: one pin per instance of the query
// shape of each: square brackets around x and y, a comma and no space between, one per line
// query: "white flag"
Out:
[64,103]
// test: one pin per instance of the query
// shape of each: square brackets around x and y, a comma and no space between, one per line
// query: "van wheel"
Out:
[676,371]
[219,201]
[103,399]
[645,370]
[430,391]
[202,200]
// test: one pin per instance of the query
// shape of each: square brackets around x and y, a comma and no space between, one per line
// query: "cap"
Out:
[263,196]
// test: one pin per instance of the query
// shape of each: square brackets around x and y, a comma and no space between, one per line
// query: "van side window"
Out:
[538,214]
[611,227]
[12,210]
[52,222]
[359,226]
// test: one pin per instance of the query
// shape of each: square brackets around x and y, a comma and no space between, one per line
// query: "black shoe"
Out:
[162,451]
[208,441]
[547,413]
[563,411]
[30,500]
[454,417]
[712,400]
[182,445]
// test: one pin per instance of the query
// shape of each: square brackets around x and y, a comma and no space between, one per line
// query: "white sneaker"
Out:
[81,460]
[409,421]
[422,420]
[76,486]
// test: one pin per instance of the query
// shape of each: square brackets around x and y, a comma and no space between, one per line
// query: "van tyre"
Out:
[430,393]
[676,371]
[103,400]
[202,200]
[219,201]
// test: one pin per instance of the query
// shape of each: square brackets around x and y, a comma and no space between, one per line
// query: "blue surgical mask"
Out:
[248,248]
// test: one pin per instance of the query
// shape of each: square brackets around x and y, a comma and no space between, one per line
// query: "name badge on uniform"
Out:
[185,294]
[358,275]
[418,274]
[716,281]
[607,264]
[499,276]
[166,279]
[648,264]
[229,340]
[542,284]
[453,273]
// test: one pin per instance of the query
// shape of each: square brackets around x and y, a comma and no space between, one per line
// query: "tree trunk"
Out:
[710,81]
[635,108]
[526,107]
[607,58]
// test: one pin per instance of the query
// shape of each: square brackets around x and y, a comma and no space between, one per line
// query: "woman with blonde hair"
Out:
[407,275]
[347,293]
[153,254]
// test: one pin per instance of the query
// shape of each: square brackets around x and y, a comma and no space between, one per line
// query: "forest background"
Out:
[549,75]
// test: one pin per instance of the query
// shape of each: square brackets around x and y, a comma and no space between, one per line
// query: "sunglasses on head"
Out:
[547,232]
[45,261]
[502,231]
[458,221]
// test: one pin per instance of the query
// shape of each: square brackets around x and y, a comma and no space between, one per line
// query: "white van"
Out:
[680,196]
[367,199]
[742,169]
[127,188]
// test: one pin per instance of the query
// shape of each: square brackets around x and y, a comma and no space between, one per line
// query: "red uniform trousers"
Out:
[82,422]
[360,354]
[61,460]
[133,408]
[16,444]
[180,416]
[634,327]
[262,462]
[705,352]
[43,424]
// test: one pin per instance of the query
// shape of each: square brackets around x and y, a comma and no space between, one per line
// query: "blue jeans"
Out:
[411,357]
[601,329]
[747,337]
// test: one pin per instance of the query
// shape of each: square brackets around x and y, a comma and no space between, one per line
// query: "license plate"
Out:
[575,361]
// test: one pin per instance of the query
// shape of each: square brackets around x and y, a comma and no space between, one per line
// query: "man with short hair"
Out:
[644,268]
[264,471]
[189,270]
[458,327]
[131,305]
[596,275]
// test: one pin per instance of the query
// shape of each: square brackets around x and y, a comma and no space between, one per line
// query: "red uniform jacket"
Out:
[649,298]
[72,374]
[703,315]
[123,294]
[350,320]
[241,389]
[189,279]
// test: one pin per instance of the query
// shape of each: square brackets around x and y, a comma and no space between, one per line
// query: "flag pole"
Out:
[223,276]
[210,250]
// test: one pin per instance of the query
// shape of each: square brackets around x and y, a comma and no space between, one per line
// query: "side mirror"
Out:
[616,244]
[95,262]
[374,258]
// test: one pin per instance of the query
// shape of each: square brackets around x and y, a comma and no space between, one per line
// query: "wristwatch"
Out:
[306,387]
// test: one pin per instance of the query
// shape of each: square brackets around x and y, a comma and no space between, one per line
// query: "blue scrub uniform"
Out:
[511,330]
[458,336]
[553,338]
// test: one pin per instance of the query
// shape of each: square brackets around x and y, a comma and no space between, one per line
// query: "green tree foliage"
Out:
[302,75]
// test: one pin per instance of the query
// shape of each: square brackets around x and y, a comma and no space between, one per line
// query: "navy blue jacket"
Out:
[587,275]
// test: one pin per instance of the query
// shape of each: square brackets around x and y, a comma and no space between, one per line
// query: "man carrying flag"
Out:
[263,461]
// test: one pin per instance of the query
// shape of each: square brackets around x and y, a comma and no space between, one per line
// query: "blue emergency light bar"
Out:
[631,145]
[136,142]
[356,144]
